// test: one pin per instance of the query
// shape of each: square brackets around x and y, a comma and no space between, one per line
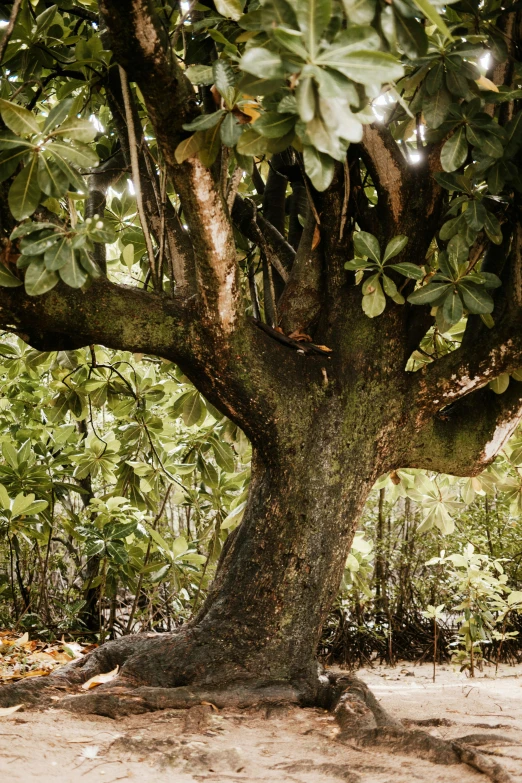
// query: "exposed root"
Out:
[115,703]
[176,671]
[363,721]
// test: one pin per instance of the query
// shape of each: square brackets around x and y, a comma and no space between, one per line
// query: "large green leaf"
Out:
[51,178]
[9,162]
[360,11]
[319,167]
[364,67]
[476,298]
[395,246]
[313,17]
[431,13]
[452,307]
[76,129]
[74,152]
[24,193]
[374,302]
[455,150]
[475,215]
[274,125]
[72,273]
[38,280]
[429,294]
[205,121]
[58,254]
[367,245]
[232,9]
[435,107]
[18,119]
[7,279]
[263,63]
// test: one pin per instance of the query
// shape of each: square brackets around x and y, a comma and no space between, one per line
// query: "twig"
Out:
[10,27]
[307,348]
[346,197]
[133,149]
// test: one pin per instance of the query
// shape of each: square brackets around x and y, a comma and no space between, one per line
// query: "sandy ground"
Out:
[275,745]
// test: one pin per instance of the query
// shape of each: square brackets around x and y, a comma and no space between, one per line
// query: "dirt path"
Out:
[281,745]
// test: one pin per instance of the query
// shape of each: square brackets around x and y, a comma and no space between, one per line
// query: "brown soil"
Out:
[278,744]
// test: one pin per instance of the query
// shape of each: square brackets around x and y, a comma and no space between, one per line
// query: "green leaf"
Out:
[32,246]
[7,279]
[395,246]
[251,143]
[306,99]
[38,280]
[18,119]
[452,308]
[74,152]
[211,145]
[500,384]
[10,161]
[51,178]
[435,107]
[274,125]
[225,81]
[72,273]
[223,455]
[408,270]
[360,11]
[58,254]
[313,17]
[76,129]
[475,215]
[319,167]
[374,303]
[476,298]
[231,9]
[260,62]
[200,74]
[58,114]
[367,245]
[411,36]
[430,293]
[205,121]
[455,150]
[434,17]
[230,130]
[493,228]
[24,193]
[364,67]
[192,409]
[188,147]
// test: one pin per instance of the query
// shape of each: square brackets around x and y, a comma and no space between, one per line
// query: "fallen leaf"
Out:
[300,337]
[4,711]
[36,673]
[90,752]
[324,348]
[22,640]
[100,679]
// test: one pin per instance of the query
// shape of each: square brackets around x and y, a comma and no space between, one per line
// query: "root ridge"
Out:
[364,721]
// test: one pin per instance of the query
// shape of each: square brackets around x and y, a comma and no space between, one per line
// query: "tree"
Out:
[240,115]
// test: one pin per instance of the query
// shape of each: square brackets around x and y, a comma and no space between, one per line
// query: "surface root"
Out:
[366,723]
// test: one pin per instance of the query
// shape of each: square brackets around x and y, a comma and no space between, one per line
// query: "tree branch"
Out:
[245,218]
[118,317]
[141,47]
[300,303]
[465,438]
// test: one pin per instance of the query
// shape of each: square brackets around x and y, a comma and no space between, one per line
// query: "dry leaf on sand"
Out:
[5,711]
[100,679]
